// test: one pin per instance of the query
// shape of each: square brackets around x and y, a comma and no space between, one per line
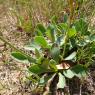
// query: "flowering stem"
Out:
[12,46]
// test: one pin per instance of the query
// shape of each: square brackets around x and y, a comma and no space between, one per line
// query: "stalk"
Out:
[12,46]
[65,43]
[71,8]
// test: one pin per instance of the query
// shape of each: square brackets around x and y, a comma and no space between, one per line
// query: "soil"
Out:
[13,74]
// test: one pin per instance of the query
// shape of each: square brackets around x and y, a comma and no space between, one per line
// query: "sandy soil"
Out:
[13,74]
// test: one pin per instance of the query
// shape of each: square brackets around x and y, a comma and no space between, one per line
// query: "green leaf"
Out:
[41,28]
[61,81]
[41,41]
[44,79]
[38,33]
[40,60]
[69,73]
[80,70]
[32,46]
[63,27]
[72,32]
[52,64]
[71,56]
[60,40]
[55,52]
[50,34]
[37,69]
[45,63]
[21,57]
[37,53]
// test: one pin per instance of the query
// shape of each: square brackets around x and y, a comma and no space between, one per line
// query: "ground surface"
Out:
[13,74]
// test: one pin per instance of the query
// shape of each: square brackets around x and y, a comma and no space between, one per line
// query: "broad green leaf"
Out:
[41,41]
[50,35]
[61,81]
[22,58]
[45,63]
[60,40]
[37,69]
[71,56]
[32,46]
[38,33]
[69,73]
[80,70]
[55,52]
[52,64]
[29,48]
[72,32]
[37,53]
[51,27]
[41,28]
[63,27]
[44,79]
[19,55]
[40,60]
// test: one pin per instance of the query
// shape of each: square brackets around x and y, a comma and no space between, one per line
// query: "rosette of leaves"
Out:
[59,51]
